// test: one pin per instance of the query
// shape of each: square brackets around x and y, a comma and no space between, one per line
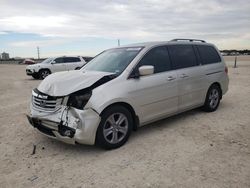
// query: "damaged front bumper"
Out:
[67,124]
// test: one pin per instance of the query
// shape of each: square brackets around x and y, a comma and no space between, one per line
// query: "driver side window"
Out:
[157,57]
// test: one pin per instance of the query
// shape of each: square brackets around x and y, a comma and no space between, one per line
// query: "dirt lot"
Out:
[194,149]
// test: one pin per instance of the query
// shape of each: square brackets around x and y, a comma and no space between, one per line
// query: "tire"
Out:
[213,98]
[36,76]
[44,73]
[111,133]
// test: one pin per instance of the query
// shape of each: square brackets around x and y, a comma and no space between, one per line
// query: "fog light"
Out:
[66,131]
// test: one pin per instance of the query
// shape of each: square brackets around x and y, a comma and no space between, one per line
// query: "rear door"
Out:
[58,65]
[156,95]
[73,63]
[190,75]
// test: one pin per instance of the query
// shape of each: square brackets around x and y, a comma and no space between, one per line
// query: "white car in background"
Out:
[51,65]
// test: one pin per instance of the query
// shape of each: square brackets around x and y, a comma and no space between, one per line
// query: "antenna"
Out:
[38,52]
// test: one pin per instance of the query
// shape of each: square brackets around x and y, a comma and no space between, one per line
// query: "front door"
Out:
[156,95]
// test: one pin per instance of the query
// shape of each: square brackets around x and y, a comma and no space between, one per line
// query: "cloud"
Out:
[35,43]
[3,33]
[141,20]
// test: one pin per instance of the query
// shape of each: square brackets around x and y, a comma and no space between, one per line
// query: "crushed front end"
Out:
[64,118]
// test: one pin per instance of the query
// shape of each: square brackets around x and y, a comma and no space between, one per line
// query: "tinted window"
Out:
[208,54]
[59,60]
[182,56]
[71,59]
[157,57]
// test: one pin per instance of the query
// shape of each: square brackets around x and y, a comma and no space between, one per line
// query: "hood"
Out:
[33,65]
[65,83]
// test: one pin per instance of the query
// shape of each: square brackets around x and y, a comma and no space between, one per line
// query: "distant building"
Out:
[5,55]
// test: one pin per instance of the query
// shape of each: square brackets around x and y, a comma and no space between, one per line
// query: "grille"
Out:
[44,102]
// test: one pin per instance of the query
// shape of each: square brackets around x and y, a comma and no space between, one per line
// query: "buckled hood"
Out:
[65,83]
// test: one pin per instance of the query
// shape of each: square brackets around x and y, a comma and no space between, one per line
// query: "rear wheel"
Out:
[212,99]
[114,128]
[44,73]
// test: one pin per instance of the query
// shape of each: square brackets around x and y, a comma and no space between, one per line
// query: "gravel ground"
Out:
[193,149]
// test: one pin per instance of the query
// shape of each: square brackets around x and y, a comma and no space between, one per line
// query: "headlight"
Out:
[78,100]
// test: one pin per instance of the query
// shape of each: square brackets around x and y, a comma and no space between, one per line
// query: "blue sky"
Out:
[25,44]
[77,27]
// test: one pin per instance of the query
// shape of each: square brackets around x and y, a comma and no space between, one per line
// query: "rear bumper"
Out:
[224,85]
[80,126]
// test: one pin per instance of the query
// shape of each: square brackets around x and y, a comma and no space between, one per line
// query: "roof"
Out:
[174,41]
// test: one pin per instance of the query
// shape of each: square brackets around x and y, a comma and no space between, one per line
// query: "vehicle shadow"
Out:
[165,123]
[31,79]
[173,121]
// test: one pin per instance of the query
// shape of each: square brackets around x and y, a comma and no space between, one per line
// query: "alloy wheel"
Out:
[213,98]
[115,128]
[44,74]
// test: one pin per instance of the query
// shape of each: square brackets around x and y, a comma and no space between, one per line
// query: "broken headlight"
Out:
[78,100]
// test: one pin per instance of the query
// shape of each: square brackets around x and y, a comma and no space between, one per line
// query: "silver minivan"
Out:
[127,87]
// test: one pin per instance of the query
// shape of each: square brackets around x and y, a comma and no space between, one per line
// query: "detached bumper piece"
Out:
[63,130]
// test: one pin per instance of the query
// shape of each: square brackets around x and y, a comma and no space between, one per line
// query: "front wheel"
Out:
[44,73]
[114,128]
[212,99]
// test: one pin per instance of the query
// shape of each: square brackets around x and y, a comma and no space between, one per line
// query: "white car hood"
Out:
[33,66]
[65,83]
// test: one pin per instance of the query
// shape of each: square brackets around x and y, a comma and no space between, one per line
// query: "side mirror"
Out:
[146,70]
[52,62]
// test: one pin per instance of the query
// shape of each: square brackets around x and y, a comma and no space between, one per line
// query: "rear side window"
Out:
[71,59]
[157,57]
[182,56]
[208,54]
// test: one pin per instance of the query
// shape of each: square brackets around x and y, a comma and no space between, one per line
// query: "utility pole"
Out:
[38,52]
[118,42]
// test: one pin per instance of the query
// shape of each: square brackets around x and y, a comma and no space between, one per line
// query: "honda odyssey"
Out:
[127,87]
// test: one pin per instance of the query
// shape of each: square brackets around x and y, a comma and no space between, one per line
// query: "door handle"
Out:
[170,78]
[184,76]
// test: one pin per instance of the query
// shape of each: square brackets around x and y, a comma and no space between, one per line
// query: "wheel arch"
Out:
[131,110]
[217,84]
[41,69]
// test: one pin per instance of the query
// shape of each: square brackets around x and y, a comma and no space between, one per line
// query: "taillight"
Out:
[226,70]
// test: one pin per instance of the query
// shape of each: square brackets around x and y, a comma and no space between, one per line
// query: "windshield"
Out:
[114,60]
[47,60]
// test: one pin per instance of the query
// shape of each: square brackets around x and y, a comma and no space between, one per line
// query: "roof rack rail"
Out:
[190,40]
